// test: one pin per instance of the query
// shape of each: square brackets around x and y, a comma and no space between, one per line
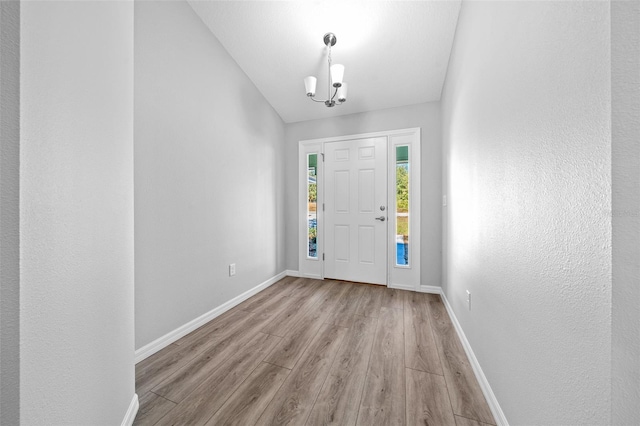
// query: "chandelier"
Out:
[336,72]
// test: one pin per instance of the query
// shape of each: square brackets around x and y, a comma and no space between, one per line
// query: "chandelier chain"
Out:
[329,74]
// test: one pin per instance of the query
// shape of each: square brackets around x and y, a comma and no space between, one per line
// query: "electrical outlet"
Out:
[444,200]
[232,269]
[469,299]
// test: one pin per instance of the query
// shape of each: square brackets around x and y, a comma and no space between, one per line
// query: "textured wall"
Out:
[427,117]
[9,212]
[208,173]
[527,148]
[76,212]
[625,166]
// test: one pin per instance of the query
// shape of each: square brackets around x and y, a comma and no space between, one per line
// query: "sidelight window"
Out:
[312,204]
[402,205]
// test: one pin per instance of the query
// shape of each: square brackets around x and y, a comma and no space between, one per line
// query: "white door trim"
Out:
[403,277]
[309,267]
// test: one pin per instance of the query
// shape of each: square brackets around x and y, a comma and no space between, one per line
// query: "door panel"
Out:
[341,243]
[366,190]
[356,189]
[341,191]
[366,242]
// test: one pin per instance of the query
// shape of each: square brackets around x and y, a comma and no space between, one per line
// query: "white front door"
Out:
[356,210]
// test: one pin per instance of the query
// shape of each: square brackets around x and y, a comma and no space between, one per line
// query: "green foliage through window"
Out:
[402,187]
[313,192]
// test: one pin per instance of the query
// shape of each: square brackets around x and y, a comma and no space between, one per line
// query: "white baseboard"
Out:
[421,289]
[310,276]
[131,411]
[431,289]
[402,287]
[164,341]
[494,406]
[291,273]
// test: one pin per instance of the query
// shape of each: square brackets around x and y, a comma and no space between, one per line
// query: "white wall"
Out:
[427,117]
[76,212]
[9,212]
[625,165]
[208,173]
[527,149]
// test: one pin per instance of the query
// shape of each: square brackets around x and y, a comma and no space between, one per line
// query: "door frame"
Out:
[398,276]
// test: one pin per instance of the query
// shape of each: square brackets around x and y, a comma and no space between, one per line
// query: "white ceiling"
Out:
[395,52]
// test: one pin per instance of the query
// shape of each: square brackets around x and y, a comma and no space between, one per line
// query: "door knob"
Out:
[381,218]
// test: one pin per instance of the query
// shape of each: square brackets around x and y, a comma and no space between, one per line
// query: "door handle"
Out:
[381,218]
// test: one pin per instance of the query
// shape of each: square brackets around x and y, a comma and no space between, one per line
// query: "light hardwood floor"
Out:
[311,352]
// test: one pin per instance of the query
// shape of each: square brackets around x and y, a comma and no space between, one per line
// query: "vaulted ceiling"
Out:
[395,52]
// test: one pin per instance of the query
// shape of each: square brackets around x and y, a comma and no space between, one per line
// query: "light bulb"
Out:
[337,73]
[342,93]
[310,85]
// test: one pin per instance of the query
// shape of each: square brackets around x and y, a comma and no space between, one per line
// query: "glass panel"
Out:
[402,205]
[312,198]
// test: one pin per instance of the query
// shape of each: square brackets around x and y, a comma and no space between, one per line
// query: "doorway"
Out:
[359,208]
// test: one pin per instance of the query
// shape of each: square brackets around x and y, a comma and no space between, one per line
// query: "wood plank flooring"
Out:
[312,352]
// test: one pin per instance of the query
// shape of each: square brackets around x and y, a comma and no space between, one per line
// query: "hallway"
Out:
[318,352]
